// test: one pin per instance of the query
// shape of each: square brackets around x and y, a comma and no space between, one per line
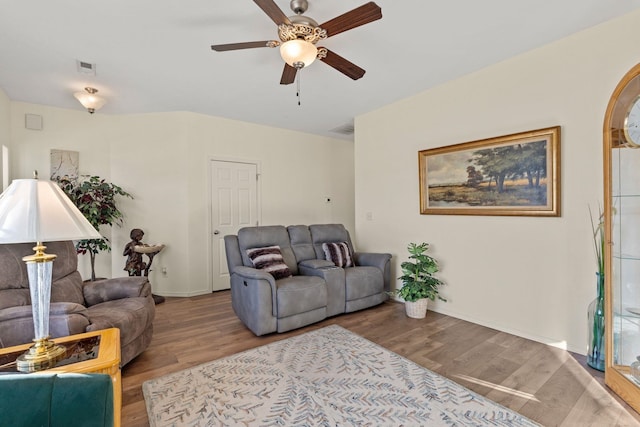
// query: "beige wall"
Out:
[5,128]
[67,130]
[530,276]
[163,160]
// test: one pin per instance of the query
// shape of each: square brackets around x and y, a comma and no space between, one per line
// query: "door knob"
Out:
[216,231]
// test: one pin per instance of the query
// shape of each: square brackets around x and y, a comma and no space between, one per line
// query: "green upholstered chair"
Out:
[59,400]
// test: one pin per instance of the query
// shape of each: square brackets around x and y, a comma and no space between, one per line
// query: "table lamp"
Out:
[37,211]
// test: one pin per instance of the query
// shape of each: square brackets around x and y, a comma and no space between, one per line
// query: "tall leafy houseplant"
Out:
[96,199]
[418,282]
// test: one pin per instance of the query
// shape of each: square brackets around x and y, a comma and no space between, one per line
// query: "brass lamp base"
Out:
[44,354]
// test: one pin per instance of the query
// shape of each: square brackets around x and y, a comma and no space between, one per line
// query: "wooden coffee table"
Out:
[95,352]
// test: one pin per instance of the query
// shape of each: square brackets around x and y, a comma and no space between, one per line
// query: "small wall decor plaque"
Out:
[516,174]
[64,164]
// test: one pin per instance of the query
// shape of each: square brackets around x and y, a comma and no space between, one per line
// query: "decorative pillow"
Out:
[338,253]
[270,260]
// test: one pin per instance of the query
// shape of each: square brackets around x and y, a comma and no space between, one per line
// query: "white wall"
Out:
[530,276]
[67,130]
[162,160]
[296,172]
[5,129]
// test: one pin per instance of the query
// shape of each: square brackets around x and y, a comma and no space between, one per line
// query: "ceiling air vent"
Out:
[86,67]
[346,129]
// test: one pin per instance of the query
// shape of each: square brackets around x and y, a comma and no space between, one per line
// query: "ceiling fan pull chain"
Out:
[298,84]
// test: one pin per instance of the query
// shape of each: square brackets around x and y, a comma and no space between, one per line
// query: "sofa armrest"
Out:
[326,272]
[372,259]
[382,261]
[65,318]
[255,274]
[333,276]
[117,288]
[317,263]
[251,275]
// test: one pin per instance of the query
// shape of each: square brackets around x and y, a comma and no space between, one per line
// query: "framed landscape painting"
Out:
[516,174]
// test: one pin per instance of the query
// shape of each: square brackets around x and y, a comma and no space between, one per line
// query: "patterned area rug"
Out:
[327,377]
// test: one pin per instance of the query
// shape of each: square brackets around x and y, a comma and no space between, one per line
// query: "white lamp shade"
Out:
[90,101]
[298,51]
[33,210]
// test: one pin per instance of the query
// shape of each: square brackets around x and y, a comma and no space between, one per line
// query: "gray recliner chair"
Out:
[76,307]
[263,303]
[368,281]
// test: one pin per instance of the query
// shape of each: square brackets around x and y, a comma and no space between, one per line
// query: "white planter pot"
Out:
[417,309]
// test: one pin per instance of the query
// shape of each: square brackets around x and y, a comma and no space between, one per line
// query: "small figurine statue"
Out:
[134,250]
[135,265]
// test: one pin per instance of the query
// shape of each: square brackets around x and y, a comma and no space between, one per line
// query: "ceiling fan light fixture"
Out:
[90,100]
[298,53]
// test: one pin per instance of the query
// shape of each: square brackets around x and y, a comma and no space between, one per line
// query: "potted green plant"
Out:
[418,283]
[96,199]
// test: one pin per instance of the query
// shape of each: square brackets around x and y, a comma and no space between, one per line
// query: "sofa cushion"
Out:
[68,289]
[64,319]
[338,253]
[267,235]
[328,233]
[14,298]
[301,242]
[362,282]
[300,294]
[269,259]
[14,270]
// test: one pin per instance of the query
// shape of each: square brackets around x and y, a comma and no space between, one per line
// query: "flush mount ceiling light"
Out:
[90,100]
[298,53]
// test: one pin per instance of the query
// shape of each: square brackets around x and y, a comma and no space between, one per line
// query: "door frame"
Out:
[228,159]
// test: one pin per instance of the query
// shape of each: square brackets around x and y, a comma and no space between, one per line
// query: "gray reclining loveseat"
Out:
[282,278]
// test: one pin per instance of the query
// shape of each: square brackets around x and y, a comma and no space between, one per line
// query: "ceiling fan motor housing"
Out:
[302,27]
[299,6]
[301,31]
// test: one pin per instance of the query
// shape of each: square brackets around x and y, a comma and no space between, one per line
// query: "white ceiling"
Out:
[155,56]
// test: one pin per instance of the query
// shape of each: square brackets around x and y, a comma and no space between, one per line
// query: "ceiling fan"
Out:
[299,34]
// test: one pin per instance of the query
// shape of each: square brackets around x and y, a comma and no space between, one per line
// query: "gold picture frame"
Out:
[517,174]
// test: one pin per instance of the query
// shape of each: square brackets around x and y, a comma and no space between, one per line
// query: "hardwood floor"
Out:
[548,385]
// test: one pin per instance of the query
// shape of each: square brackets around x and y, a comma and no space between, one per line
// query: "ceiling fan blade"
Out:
[246,45]
[346,67]
[273,11]
[288,75]
[359,16]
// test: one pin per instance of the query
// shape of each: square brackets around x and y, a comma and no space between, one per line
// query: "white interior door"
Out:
[234,204]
